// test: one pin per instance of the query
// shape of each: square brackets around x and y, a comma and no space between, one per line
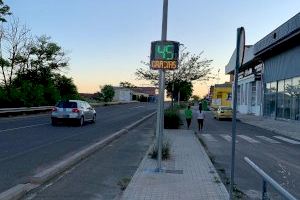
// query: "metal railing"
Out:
[48,108]
[267,179]
[25,109]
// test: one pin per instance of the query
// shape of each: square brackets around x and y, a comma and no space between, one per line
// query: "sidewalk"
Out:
[188,174]
[286,128]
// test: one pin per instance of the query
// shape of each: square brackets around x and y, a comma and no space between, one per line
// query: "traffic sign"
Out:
[164,55]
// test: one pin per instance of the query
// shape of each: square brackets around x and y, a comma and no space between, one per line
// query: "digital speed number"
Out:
[164,55]
[164,52]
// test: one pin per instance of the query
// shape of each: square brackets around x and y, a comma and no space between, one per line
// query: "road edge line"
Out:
[18,191]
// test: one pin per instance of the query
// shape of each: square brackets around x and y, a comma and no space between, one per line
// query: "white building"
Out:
[122,94]
[249,99]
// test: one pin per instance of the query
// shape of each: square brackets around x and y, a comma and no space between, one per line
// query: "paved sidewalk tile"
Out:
[198,180]
[287,128]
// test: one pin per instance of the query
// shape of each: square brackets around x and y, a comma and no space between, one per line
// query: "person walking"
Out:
[200,105]
[188,116]
[200,119]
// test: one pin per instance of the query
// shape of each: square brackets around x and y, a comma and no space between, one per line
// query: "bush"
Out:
[171,119]
[165,153]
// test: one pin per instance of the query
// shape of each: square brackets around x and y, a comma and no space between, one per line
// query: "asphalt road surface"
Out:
[277,155]
[98,176]
[30,144]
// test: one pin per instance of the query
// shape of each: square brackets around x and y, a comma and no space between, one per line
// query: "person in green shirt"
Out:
[188,116]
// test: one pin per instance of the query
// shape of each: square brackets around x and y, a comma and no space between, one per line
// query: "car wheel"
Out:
[94,118]
[81,121]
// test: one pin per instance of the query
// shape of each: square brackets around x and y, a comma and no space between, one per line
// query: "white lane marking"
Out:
[22,127]
[268,139]
[228,138]
[248,139]
[209,137]
[136,107]
[287,140]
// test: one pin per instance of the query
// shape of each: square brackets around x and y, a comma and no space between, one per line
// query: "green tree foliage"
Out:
[126,84]
[191,67]
[195,97]
[31,69]
[108,93]
[184,88]
[4,10]
[67,89]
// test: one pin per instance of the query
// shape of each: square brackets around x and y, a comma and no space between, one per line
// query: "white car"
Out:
[73,110]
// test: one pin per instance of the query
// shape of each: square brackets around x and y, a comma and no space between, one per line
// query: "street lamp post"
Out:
[240,47]
[160,113]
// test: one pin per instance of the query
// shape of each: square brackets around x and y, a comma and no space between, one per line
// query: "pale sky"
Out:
[107,39]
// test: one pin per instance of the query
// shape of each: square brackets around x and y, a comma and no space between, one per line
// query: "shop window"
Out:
[253,93]
[280,99]
[270,99]
[295,110]
[246,93]
[239,95]
[242,94]
[287,98]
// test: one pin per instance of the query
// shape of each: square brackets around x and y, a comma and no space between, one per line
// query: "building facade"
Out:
[221,95]
[250,86]
[269,78]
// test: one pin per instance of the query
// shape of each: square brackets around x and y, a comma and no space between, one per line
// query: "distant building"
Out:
[147,94]
[220,95]
[122,94]
[143,94]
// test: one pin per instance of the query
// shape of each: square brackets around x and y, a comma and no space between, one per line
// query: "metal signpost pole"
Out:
[160,114]
[239,58]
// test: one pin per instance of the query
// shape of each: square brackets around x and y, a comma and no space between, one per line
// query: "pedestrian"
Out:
[200,105]
[200,119]
[188,116]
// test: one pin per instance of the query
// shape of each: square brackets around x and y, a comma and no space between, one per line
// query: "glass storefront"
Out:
[282,99]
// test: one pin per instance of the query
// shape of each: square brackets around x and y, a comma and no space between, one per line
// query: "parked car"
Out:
[223,112]
[73,110]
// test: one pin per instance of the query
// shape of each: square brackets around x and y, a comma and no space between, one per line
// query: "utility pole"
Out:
[160,113]
[240,47]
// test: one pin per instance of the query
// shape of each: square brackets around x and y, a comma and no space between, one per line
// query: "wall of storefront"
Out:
[282,85]
[282,66]
[249,96]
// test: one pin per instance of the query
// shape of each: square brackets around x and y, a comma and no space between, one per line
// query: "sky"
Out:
[106,40]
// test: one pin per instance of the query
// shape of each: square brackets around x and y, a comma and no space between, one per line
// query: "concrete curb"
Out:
[20,190]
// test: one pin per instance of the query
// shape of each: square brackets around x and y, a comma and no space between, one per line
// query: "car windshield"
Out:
[66,104]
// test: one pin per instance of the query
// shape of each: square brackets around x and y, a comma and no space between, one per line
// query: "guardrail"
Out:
[25,109]
[48,108]
[267,179]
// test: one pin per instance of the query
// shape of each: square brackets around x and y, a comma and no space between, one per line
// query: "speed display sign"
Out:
[164,55]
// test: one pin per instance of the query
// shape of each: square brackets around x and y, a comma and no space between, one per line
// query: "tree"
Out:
[190,68]
[4,10]
[66,87]
[30,69]
[195,97]
[182,88]
[108,93]
[126,84]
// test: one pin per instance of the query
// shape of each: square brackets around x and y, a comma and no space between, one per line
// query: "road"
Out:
[30,144]
[277,155]
[97,177]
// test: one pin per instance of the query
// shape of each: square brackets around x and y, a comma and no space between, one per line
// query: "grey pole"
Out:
[237,63]
[160,113]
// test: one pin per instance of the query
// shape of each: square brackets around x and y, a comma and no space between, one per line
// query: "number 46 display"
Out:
[164,55]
